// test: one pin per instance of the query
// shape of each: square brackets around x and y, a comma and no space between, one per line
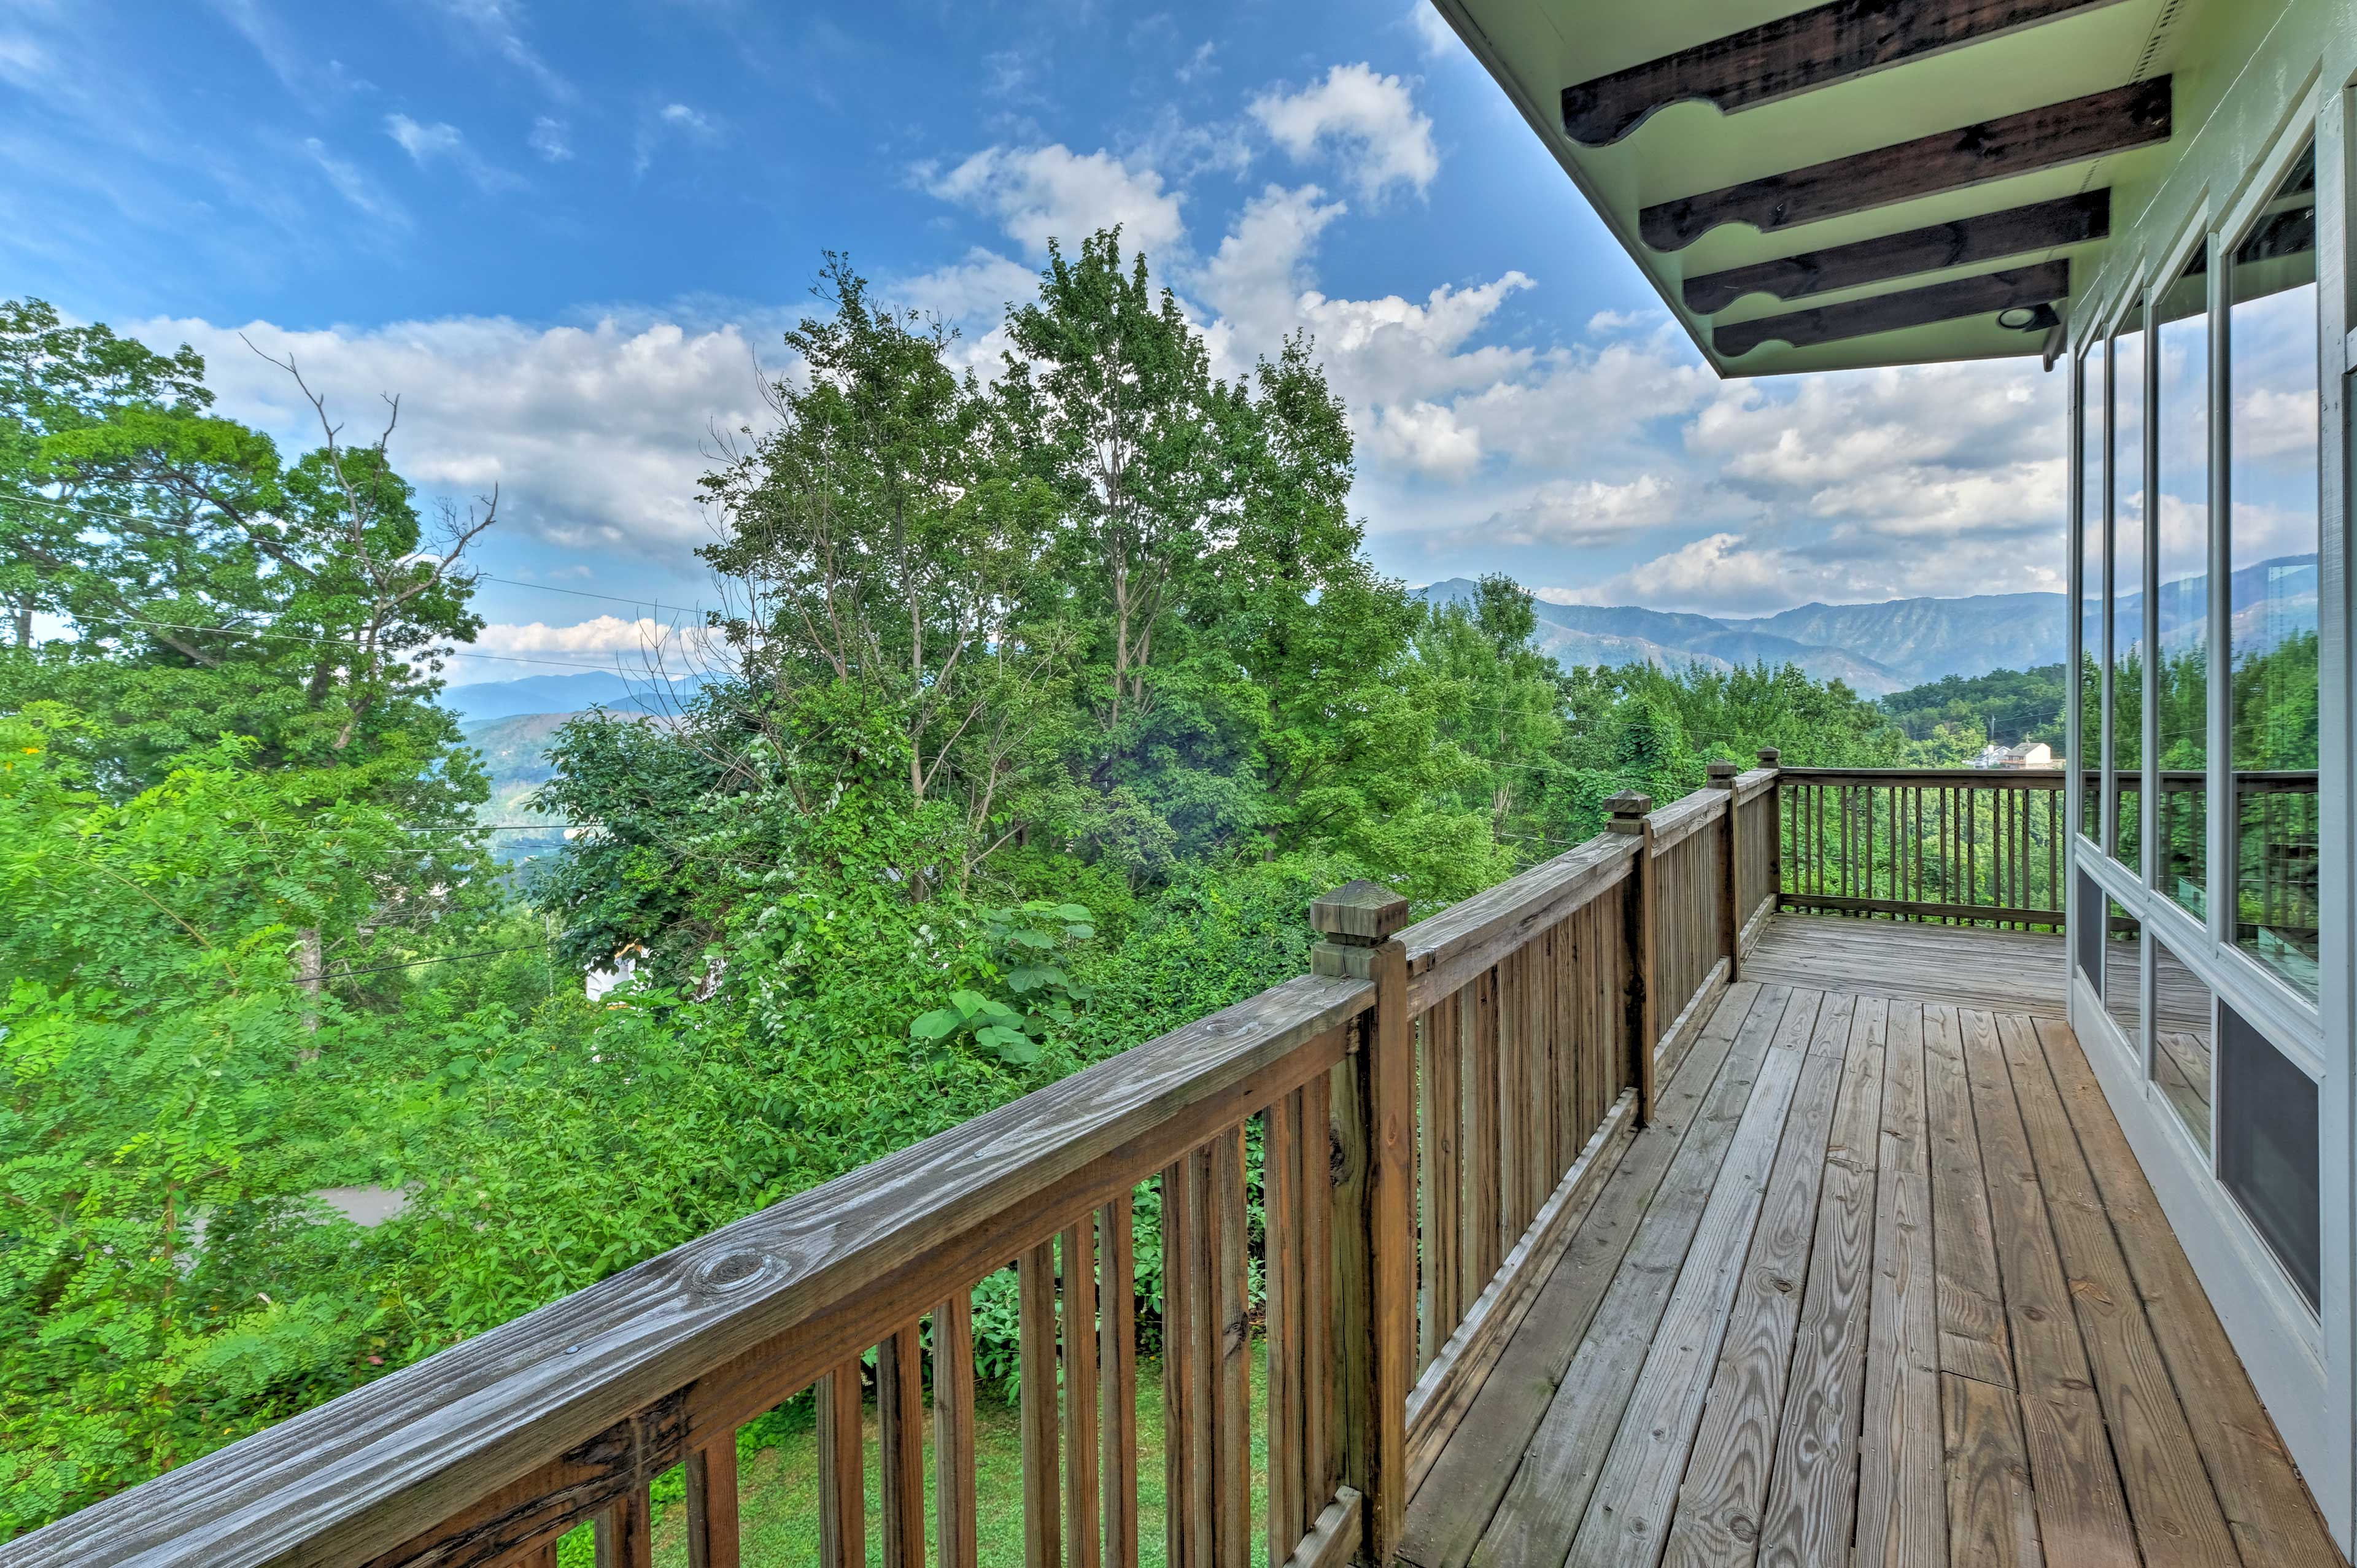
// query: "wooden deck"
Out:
[1882,1285]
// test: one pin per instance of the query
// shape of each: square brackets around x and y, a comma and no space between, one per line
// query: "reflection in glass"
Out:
[2181,1041]
[2272,595]
[2127,597]
[2123,971]
[2180,342]
[2267,1146]
[2091,597]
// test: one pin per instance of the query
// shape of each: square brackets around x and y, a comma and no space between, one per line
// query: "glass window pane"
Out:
[2128,595]
[2181,1041]
[2181,512]
[2272,481]
[2267,1154]
[2091,597]
[2124,971]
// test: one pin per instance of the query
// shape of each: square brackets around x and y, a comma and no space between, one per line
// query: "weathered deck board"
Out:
[2022,971]
[1884,1286]
[1461,1493]
[1550,1488]
[1726,1481]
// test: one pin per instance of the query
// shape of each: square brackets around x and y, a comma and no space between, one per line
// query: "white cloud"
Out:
[355,187]
[444,143]
[1198,65]
[593,434]
[1042,193]
[1435,38]
[498,24]
[1368,124]
[1586,511]
[1428,438]
[551,139]
[671,121]
[603,634]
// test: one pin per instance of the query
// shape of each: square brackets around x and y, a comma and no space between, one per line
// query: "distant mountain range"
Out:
[563,695]
[1875,649]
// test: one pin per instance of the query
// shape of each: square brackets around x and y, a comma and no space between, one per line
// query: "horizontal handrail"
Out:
[1537,1010]
[624,1376]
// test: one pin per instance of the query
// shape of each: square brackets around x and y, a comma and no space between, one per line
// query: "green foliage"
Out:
[2012,707]
[1057,700]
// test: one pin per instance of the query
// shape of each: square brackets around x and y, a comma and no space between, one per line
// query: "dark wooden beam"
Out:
[1985,296]
[1990,237]
[2132,116]
[1792,55]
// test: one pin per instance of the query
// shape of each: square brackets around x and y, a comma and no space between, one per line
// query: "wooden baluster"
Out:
[956,1507]
[1376,1316]
[1043,1545]
[842,1472]
[900,1442]
[1511,1109]
[625,1530]
[1632,815]
[542,1556]
[1438,1100]
[1485,1209]
[1182,1413]
[1571,1126]
[1232,1345]
[1730,914]
[1538,1071]
[1320,1471]
[1082,1541]
[1118,1361]
[1772,759]
[713,1540]
[1280,1189]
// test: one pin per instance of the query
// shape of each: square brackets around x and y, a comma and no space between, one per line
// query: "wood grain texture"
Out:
[2010,288]
[1901,1491]
[1229,1341]
[1629,1510]
[1937,247]
[1461,1494]
[1992,1517]
[714,1538]
[957,1534]
[1812,1476]
[841,1472]
[1448,949]
[1724,1486]
[2269,1510]
[1642,1002]
[2081,1515]
[1791,55]
[1083,1517]
[900,1446]
[625,1531]
[1043,1545]
[1117,1359]
[2059,133]
[1289,1500]
[2169,1500]
[1446,1391]
[1549,1491]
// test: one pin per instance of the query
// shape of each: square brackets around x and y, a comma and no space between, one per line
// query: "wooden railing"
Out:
[1435,1105]
[1959,845]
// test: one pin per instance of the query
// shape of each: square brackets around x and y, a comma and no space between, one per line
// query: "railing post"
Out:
[1730,913]
[1771,759]
[1375,1298]
[1632,814]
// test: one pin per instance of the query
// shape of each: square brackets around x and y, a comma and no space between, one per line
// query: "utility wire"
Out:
[417,963]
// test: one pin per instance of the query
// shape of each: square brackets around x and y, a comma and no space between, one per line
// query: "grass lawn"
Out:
[778,1488]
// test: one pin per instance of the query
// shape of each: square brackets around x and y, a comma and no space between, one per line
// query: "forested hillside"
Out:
[1068,690]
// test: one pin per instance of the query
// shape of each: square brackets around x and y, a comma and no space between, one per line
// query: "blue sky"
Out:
[566,234]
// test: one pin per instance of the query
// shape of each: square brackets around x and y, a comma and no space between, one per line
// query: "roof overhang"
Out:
[1868,182]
